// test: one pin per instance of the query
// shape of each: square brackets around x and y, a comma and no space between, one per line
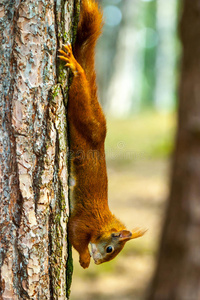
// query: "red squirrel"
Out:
[90,221]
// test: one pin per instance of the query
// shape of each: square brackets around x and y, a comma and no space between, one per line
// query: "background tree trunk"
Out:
[33,149]
[178,272]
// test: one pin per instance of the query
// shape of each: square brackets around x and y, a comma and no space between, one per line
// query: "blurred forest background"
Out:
[137,64]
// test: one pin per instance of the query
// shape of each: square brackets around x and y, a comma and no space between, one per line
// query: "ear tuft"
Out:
[138,232]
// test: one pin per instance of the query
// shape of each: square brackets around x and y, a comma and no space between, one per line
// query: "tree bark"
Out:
[178,272]
[33,149]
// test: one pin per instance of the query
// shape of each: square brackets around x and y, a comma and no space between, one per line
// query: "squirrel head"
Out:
[107,246]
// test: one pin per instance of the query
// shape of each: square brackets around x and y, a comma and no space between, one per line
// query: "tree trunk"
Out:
[178,272]
[33,149]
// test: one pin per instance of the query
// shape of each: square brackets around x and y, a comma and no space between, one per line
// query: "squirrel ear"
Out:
[126,235]
[123,235]
[137,232]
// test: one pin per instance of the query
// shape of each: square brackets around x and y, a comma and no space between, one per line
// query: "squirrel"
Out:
[90,220]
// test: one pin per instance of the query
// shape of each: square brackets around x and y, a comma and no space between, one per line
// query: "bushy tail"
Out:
[89,29]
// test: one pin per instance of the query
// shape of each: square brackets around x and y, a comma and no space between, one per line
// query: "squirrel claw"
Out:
[68,57]
[68,47]
[63,53]
[66,53]
[63,58]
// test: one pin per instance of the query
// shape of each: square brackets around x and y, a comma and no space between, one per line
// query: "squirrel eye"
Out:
[109,249]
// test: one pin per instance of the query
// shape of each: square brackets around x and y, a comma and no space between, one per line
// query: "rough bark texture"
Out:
[33,149]
[178,272]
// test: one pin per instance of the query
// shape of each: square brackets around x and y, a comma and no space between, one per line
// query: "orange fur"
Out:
[90,220]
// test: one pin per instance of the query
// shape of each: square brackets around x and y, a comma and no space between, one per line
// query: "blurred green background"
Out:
[137,63]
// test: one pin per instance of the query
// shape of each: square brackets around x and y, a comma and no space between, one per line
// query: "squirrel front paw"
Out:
[84,260]
[68,57]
